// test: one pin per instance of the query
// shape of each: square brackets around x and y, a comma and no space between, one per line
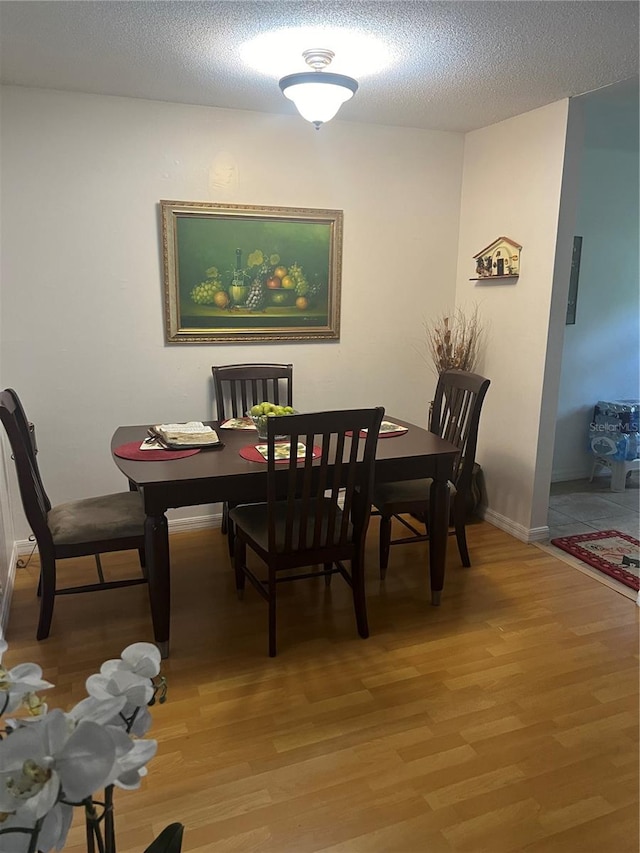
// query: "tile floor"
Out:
[579,506]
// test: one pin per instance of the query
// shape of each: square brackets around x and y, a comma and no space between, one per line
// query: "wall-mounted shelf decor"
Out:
[498,260]
[485,277]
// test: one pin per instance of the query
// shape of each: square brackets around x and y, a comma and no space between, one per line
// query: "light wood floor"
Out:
[504,720]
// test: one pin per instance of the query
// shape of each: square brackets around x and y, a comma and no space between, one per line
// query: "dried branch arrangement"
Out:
[454,339]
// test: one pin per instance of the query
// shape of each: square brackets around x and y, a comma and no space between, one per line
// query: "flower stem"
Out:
[94,833]
[109,824]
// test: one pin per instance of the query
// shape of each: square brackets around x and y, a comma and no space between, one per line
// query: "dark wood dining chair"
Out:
[28,433]
[86,527]
[317,510]
[237,387]
[455,416]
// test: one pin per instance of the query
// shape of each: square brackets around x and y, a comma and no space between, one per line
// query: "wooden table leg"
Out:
[438,535]
[156,540]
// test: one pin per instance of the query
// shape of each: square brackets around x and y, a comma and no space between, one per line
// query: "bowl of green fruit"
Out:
[261,412]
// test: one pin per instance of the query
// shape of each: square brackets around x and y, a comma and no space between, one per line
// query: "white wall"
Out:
[7,535]
[511,187]
[82,330]
[601,356]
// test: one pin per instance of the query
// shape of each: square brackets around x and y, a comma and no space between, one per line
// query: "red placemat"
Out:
[131,450]
[252,454]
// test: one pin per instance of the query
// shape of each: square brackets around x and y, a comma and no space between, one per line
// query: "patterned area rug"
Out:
[608,551]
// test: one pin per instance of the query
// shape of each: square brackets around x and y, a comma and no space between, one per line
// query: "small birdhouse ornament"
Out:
[499,259]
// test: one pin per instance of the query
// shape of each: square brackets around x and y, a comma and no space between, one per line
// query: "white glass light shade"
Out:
[318,95]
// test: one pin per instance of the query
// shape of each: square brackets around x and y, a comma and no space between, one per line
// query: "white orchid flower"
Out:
[55,828]
[113,681]
[115,711]
[35,708]
[15,842]
[18,682]
[141,720]
[52,834]
[129,766]
[28,786]
[101,711]
[143,659]
[52,761]
[130,676]
[39,762]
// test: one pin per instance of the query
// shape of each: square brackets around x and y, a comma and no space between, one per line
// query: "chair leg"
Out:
[327,578]
[239,560]
[99,568]
[47,596]
[231,537]
[460,530]
[385,543]
[272,613]
[359,598]
[225,518]
[141,553]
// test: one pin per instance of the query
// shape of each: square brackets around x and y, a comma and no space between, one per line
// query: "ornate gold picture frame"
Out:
[245,273]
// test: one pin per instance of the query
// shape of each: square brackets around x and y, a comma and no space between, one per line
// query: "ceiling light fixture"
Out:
[318,94]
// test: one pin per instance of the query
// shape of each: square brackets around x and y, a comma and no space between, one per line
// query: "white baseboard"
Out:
[564,475]
[8,590]
[198,522]
[524,534]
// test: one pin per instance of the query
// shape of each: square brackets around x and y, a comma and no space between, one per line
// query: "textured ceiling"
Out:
[454,66]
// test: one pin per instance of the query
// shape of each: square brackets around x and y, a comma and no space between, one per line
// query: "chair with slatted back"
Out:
[87,527]
[455,416]
[317,510]
[27,431]
[237,387]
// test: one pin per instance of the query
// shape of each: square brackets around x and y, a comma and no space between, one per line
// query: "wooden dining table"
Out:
[217,475]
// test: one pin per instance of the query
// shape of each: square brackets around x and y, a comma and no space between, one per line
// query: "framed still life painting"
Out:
[245,273]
